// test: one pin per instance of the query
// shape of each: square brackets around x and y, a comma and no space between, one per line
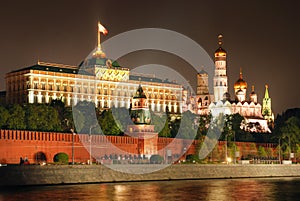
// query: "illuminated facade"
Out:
[97,79]
[250,109]
[102,81]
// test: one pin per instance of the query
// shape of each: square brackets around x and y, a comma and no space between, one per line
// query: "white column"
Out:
[30,97]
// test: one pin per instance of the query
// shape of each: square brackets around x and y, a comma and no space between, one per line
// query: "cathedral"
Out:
[257,117]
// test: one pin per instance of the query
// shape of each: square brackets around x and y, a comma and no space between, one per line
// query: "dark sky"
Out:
[262,37]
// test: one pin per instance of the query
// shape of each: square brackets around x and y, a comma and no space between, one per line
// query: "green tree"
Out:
[87,112]
[290,133]
[16,119]
[4,114]
[261,151]
[204,121]
[159,121]
[61,158]
[188,126]
[42,117]
[165,131]
[108,124]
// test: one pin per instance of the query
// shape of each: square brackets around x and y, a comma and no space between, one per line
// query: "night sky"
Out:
[261,37]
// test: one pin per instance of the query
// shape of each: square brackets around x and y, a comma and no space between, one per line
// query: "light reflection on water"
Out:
[229,189]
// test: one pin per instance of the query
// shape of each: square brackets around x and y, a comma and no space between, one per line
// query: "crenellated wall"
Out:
[36,145]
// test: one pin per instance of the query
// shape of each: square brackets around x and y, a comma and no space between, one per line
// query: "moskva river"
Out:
[217,189]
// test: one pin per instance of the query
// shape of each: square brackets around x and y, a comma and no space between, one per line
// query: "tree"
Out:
[61,158]
[159,121]
[204,121]
[290,133]
[4,114]
[108,124]
[87,112]
[188,126]
[261,151]
[16,119]
[41,117]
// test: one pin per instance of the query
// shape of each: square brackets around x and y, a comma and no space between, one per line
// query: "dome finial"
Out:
[241,73]
[220,39]
[252,88]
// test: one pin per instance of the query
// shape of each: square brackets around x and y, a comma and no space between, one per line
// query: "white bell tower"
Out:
[220,78]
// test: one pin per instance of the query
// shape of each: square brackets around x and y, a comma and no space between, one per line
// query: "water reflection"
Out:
[231,189]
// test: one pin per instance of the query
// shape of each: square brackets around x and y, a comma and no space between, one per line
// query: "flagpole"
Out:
[99,43]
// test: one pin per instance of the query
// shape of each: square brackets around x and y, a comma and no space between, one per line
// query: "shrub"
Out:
[156,159]
[191,158]
[61,158]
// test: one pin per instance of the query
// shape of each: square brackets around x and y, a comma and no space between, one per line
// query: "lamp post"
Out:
[73,135]
[279,150]
[290,148]
[90,147]
[90,140]
[235,153]
[226,149]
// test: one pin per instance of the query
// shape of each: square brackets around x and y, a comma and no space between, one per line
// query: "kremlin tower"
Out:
[220,78]
[141,128]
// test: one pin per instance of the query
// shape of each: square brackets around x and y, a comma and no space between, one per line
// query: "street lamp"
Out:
[90,140]
[235,153]
[73,135]
[90,148]
[279,150]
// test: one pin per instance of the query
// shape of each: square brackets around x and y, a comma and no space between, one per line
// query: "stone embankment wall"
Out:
[51,174]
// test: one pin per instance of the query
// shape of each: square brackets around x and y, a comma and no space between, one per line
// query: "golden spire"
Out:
[252,88]
[220,39]
[241,73]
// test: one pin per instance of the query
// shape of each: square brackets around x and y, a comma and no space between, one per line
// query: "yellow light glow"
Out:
[229,159]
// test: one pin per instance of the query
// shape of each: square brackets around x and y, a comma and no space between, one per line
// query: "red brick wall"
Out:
[15,144]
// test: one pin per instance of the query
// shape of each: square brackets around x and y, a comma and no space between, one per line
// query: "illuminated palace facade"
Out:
[110,86]
[97,79]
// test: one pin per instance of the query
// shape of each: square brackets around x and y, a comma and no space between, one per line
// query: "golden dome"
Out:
[220,51]
[240,83]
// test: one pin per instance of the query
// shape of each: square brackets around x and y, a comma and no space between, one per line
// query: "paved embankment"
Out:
[67,174]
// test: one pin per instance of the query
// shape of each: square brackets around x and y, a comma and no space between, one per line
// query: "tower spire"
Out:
[241,73]
[267,92]
[220,39]
[266,107]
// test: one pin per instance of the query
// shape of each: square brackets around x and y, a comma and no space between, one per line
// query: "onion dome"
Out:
[220,51]
[253,96]
[240,83]
[226,96]
[252,92]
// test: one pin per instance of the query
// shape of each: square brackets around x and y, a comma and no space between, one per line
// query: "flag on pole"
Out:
[102,29]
